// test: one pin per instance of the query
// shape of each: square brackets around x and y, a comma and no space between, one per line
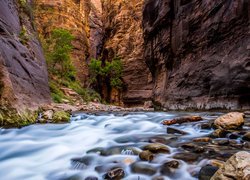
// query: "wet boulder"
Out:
[219,133]
[202,139]
[220,141]
[187,157]
[143,168]
[91,178]
[114,174]
[171,130]
[181,120]
[146,155]
[230,121]
[193,147]
[157,148]
[237,167]
[246,137]
[207,172]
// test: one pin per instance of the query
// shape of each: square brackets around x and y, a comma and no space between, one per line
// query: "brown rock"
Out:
[233,120]
[157,148]
[181,120]
[146,155]
[202,139]
[237,167]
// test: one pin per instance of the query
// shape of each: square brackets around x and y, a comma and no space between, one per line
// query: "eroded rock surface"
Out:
[23,79]
[198,53]
[237,167]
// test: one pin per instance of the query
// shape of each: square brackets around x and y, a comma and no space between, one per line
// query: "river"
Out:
[92,144]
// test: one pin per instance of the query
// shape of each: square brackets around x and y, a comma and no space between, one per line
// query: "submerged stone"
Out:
[171,130]
[143,168]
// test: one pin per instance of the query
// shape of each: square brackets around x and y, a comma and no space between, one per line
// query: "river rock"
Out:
[207,172]
[157,148]
[220,141]
[206,125]
[216,163]
[171,130]
[230,121]
[91,178]
[246,137]
[146,155]
[172,164]
[192,147]
[187,157]
[233,135]
[181,120]
[219,133]
[143,168]
[237,167]
[114,174]
[202,139]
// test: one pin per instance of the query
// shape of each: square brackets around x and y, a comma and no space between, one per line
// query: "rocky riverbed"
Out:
[125,145]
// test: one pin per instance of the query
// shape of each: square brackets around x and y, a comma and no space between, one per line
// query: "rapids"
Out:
[93,143]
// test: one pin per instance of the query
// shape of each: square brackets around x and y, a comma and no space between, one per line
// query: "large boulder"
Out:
[233,120]
[237,167]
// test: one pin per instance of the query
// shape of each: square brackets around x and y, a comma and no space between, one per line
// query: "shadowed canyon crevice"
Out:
[198,53]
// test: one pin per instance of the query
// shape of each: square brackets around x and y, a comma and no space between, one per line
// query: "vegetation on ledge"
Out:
[58,48]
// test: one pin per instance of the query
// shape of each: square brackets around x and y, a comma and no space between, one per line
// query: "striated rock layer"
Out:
[73,16]
[23,72]
[198,52]
[123,37]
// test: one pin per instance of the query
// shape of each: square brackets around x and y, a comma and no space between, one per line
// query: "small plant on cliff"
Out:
[112,71]
[23,36]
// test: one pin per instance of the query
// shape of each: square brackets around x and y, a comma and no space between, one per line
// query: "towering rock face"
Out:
[123,37]
[73,16]
[23,72]
[198,52]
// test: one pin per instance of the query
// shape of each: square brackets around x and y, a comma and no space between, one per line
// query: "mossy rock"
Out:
[61,117]
[10,118]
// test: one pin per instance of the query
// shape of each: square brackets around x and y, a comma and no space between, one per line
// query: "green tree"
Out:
[110,70]
[58,51]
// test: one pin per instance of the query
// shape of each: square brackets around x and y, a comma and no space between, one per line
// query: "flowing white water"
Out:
[39,152]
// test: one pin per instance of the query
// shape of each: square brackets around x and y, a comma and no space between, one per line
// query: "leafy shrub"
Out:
[111,70]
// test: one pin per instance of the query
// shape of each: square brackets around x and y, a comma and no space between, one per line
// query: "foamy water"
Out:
[39,152]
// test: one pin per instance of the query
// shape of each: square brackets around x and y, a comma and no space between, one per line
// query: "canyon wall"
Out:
[198,52]
[23,71]
[123,37]
[72,15]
